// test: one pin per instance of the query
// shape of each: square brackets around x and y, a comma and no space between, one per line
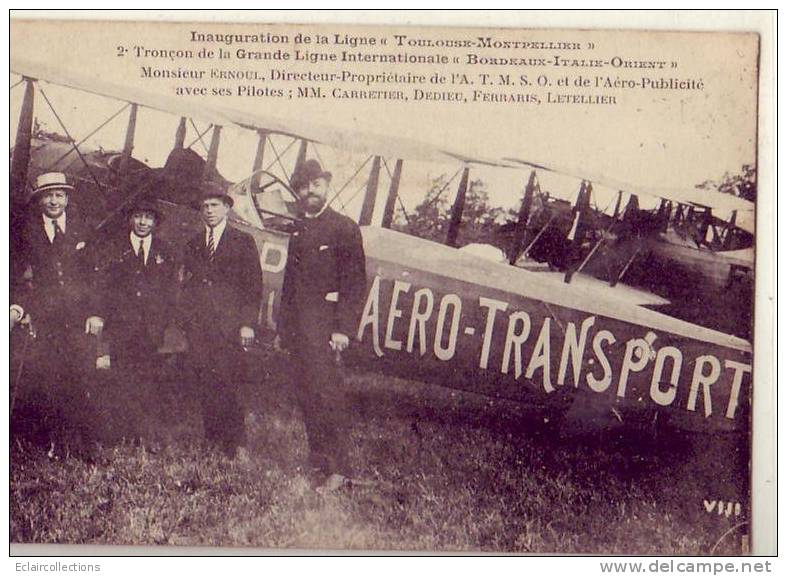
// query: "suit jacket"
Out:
[324,280]
[137,301]
[220,296]
[55,283]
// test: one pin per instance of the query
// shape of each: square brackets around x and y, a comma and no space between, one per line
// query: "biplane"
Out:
[432,313]
[678,248]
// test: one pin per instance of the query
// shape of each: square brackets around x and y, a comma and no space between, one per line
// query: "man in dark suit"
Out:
[222,291]
[322,295]
[53,287]
[138,281]
[137,277]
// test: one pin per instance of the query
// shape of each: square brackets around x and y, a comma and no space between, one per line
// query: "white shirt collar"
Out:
[136,241]
[49,228]
[218,231]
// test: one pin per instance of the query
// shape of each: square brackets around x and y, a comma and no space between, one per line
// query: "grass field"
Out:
[443,471]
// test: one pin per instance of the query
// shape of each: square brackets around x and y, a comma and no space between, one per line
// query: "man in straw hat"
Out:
[53,285]
[322,295]
[222,290]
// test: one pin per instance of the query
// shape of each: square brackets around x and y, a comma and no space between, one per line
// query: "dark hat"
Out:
[213,190]
[306,172]
[145,203]
[49,181]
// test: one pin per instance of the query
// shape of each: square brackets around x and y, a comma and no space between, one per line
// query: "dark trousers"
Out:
[320,395]
[219,374]
[130,401]
[53,398]
[131,347]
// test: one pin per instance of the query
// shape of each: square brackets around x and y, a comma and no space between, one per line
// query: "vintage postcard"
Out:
[391,288]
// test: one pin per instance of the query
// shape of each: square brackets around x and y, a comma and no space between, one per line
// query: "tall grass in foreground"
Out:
[442,471]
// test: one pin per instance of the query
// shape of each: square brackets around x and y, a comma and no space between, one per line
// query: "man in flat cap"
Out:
[53,286]
[322,296]
[222,291]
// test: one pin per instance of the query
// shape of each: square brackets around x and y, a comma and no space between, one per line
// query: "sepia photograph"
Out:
[392,288]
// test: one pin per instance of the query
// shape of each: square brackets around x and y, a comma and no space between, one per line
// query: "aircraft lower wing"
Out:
[437,314]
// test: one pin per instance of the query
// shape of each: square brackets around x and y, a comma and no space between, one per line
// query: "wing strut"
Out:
[617,278]
[24,133]
[51,165]
[618,202]
[524,215]
[19,165]
[259,156]
[199,135]
[663,214]
[367,210]
[73,142]
[278,157]
[457,209]
[213,152]
[526,251]
[180,133]
[128,145]
[728,234]
[302,149]
[577,234]
[393,192]
[336,196]
[597,245]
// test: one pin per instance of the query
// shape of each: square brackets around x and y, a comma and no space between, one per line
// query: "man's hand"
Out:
[94,325]
[246,336]
[16,316]
[103,362]
[339,342]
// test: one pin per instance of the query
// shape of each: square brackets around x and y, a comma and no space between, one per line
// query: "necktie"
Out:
[141,254]
[211,245]
[58,235]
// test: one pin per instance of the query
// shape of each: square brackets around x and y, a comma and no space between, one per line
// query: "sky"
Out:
[652,139]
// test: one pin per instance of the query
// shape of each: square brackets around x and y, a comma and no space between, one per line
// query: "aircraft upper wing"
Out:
[354,140]
[94,85]
[716,201]
[351,140]
[346,139]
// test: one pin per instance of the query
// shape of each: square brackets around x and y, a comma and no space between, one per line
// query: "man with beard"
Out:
[53,286]
[322,295]
[222,291]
